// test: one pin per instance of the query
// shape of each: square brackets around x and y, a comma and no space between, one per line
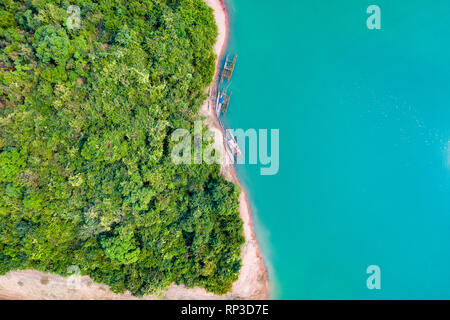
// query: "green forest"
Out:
[88,102]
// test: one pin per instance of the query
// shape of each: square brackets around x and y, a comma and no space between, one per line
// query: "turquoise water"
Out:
[364,119]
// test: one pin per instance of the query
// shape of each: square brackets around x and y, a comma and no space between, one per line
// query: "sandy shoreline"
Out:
[253,280]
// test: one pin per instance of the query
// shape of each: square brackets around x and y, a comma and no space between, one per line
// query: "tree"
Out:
[121,248]
[52,45]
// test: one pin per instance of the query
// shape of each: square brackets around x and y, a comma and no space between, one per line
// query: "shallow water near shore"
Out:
[364,119]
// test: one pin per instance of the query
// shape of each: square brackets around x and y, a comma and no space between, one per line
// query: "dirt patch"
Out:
[44,280]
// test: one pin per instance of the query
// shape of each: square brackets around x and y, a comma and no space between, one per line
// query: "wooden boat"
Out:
[222,102]
[232,146]
[228,67]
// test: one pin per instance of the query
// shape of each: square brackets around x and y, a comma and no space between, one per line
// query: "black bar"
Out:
[198,310]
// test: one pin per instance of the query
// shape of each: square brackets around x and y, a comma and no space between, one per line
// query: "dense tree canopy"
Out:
[86,115]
